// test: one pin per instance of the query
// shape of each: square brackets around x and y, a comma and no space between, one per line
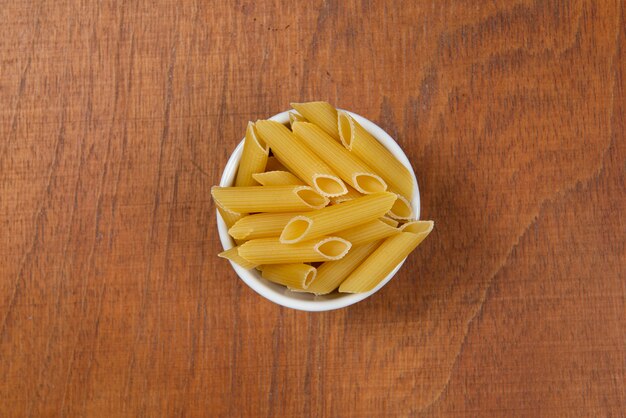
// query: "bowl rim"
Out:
[279,294]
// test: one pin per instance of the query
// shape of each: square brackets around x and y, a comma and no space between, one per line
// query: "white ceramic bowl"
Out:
[279,294]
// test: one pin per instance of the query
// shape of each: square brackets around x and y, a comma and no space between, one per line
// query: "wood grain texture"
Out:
[117,117]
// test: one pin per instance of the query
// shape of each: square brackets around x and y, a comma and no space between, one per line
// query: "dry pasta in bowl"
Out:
[318,208]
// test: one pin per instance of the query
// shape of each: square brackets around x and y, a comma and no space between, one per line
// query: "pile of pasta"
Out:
[319,205]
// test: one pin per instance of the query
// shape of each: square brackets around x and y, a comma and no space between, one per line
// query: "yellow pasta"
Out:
[372,231]
[233,255]
[272,251]
[331,273]
[336,218]
[417,227]
[295,117]
[274,165]
[260,225]
[253,158]
[296,276]
[277,178]
[296,290]
[360,142]
[230,218]
[322,114]
[351,195]
[268,198]
[386,257]
[401,209]
[389,221]
[351,170]
[299,159]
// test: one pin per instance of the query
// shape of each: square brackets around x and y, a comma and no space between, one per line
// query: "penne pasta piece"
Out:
[386,257]
[322,114]
[351,195]
[272,251]
[351,170]
[389,221]
[268,198]
[401,209]
[260,225]
[417,227]
[299,159]
[360,142]
[336,218]
[294,116]
[375,230]
[253,158]
[277,178]
[296,276]
[331,273]
[232,254]
[274,165]
[230,218]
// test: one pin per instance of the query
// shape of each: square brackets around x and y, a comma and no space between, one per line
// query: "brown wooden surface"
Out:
[116,119]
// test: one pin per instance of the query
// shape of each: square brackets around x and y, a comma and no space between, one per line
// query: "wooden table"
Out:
[118,117]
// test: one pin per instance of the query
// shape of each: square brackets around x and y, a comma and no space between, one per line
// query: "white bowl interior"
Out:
[280,294]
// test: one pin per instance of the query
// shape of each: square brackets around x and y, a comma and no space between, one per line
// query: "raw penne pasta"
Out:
[260,225]
[268,198]
[401,209]
[230,218]
[322,114]
[277,178]
[389,221]
[349,168]
[299,159]
[296,276]
[331,273]
[253,158]
[294,116]
[274,165]
[272,251]
[351,195]
[372,231]
[386,257]
[417,227]
[337,218]
[232,254]
[360,142]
